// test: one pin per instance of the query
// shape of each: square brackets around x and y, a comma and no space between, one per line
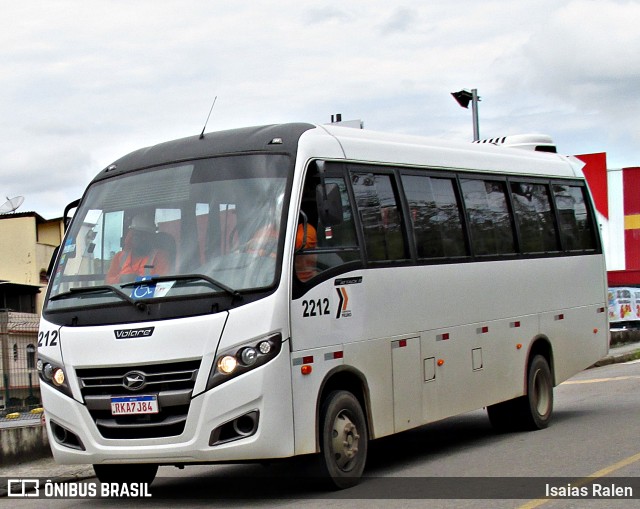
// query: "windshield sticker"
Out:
[151,290]
[163,288]
[69,247]
[143,291]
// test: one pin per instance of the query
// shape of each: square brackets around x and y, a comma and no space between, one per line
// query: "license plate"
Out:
[134,405]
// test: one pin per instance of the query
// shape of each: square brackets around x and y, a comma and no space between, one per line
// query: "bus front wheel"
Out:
[343,440]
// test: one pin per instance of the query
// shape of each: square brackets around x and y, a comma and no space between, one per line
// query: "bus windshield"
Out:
[199,227]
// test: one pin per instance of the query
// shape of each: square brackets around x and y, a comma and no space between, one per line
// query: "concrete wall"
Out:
[620,337]
[23,443]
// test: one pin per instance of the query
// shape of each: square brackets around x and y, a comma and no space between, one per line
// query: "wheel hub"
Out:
[345,440]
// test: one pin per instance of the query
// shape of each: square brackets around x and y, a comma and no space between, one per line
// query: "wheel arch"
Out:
[345,378]
[541,345]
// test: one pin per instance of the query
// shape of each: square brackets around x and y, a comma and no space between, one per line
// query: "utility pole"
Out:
[464,97]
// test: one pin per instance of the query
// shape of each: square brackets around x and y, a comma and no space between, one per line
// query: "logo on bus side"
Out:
[343,310]
[144,332]
[343,295]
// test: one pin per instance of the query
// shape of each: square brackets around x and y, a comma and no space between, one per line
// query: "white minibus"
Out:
[298,289]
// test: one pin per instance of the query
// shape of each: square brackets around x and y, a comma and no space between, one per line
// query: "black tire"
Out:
[531,411]
[343,439]
[536,411]
[129,473]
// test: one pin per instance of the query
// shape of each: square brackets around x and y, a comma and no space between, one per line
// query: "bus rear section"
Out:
[446,280]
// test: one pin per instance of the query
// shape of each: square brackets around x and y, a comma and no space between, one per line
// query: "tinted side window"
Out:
[435,215]
[323,247]
[536,221]
[380,216]
[488,216]
[342,235]
[576,228]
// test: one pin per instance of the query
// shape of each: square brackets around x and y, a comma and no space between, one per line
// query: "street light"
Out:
[464,97]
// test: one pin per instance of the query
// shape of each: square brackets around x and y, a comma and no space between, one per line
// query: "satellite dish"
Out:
[11,205]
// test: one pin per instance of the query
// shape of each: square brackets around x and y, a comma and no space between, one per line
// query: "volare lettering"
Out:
[134,333]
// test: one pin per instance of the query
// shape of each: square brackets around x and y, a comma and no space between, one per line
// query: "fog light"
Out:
[227,364]
[58,376]
[39,365]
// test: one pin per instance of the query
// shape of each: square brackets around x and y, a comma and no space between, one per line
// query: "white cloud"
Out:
[84,83]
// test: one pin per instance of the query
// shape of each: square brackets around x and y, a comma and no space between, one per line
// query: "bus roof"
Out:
[390,148]
[354,145]
[269,138]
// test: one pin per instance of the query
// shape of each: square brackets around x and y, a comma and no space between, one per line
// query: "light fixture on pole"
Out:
[464,97]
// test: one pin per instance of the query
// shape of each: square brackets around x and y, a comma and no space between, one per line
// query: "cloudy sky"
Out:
[84,82]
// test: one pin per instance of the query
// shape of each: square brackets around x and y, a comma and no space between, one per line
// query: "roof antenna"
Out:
[207,121]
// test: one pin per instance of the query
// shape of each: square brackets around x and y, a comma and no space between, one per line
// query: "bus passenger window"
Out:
[576,227]
[380,216]
[532,206]
[435,215]
[488,216]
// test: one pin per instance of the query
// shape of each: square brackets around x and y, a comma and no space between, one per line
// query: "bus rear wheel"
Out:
[539,403]
[531,411]
[343,439]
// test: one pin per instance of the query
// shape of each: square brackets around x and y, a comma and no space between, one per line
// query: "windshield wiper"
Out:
[235,294]
[95,289]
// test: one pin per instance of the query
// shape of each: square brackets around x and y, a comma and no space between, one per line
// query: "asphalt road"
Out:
[595,432]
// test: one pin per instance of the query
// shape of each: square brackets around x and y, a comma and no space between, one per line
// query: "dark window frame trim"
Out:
[396,172]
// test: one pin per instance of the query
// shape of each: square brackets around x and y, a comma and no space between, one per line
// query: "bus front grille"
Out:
[172,384]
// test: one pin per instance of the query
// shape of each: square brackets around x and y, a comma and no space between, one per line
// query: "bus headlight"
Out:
[227,364]
[236,361]
[58,377]
[47,372]
[52,374]
[248,356]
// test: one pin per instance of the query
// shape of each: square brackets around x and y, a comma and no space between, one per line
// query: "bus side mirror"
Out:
[329,204]
[65,218]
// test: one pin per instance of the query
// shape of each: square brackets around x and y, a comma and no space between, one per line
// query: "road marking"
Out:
[598,380]
[586,480]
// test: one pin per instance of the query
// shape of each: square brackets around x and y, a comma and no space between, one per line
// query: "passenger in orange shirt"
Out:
[306,264]
[138,256]
[265,242]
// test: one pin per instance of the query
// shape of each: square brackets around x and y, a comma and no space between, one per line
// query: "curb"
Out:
[615,359]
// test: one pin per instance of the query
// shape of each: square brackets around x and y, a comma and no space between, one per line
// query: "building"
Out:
[27,243]
[617,200]
[19,386]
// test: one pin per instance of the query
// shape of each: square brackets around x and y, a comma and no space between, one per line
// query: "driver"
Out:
[138,256]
